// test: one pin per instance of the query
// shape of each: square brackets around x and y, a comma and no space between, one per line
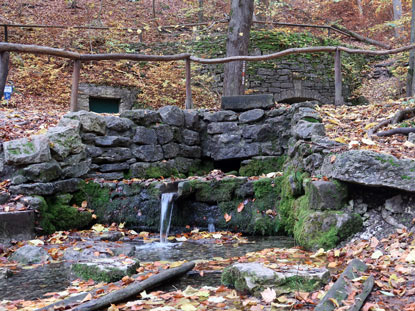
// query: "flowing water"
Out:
[165,217]
[34,283]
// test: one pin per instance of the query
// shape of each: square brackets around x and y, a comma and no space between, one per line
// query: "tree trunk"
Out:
[410,84]
[237,44]
[154,8]
[359,6]
[200,13]
[4,70]
[397,15]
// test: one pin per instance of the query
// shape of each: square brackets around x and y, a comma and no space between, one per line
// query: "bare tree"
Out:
[360,8]
[397,15]
[410,83]
[237,44]
[200,12]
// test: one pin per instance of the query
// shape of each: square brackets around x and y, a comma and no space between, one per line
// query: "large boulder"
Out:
[255,277]
[27,151]
[30,254]
[371,168]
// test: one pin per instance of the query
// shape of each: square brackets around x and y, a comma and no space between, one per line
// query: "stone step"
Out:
[19,225]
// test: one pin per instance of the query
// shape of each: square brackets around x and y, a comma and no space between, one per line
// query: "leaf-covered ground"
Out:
[391,261]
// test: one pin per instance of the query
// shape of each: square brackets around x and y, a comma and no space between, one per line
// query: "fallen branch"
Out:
[399,130]
[135,288]
[360,37]
[340,289]
[73,300]
[360,299]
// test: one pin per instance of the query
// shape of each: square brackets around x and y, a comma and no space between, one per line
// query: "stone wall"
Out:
[126,96]
[146,144]
[293,79]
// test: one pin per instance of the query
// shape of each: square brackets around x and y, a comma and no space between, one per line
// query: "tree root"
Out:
[398,117]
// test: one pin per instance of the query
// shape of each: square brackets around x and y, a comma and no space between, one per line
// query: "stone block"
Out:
[305,130]
[170,150]
[172,115]
[145,136]
[116,154]
[17,226]
[64,141]
[327,195]
[112,141]
[118,124]
[222,127]
[191,119]
[113,167]
[26,151]
[142,117]
[193,152]
[164,133]
[148,153]
[43,172]
[90,122]
[247,102]
[190,137]
[251,116]
[220,116]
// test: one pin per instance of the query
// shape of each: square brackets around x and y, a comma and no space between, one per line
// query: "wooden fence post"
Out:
[4,70]
[75,84]
[338,87]
[189,101]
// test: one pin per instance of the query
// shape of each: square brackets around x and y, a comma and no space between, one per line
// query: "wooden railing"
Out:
[78,58]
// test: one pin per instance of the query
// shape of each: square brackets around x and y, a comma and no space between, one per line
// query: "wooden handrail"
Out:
[79,58]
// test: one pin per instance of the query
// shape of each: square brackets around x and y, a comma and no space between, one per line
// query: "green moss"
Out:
[56,213]
[203,168]
[160,171]
[297,283]
[96,196]
[258,167]
[215,191]
[312,120]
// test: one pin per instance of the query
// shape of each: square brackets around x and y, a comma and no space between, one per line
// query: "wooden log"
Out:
[360,298]
[338,83]
[360,37]
[4,70]
[135,288]
[189,100]
[340,289]
[399,130]
[75,85]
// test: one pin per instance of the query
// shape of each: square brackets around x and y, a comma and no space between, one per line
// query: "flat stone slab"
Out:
[371,168]
[17,226]
[254,277]
[247,102]
[97,250]
[105,269]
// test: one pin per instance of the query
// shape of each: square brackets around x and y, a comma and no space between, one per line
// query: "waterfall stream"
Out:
[166,212]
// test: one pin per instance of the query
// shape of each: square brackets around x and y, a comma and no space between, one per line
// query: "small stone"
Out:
[142,117]
[222,127]
[148,153]
[164,133]
[43,172]
[305,130]
[118,124]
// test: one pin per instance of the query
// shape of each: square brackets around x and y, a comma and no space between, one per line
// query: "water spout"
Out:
[166,213]
[211,227]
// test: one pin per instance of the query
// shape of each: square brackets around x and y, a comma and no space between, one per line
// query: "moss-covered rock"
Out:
[57,213]
[105,269]
[253,278]
[215,191]
[262,165]
[315,230]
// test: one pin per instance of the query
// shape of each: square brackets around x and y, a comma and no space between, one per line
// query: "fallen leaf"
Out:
[227,217]
[269,295]
[241,207]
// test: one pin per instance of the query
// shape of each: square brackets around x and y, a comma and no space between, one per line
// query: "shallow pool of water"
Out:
[30,284]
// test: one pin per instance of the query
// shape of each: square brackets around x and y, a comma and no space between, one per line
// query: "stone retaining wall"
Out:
[149,144]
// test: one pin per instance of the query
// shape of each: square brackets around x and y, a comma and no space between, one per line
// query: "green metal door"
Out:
[104,105]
